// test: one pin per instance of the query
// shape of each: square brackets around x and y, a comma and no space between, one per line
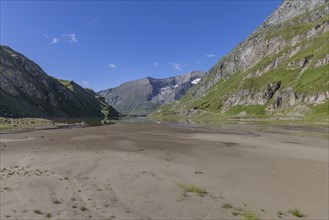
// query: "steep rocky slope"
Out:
[140,97]
[281,69]
[26,90]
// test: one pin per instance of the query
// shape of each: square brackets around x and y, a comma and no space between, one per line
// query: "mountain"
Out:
[26,90]
[281,69]
[140,97]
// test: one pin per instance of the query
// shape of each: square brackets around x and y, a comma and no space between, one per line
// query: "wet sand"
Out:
[144,171]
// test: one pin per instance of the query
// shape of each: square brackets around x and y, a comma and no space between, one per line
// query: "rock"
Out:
[26,90]
[323,62]
[257,45]
[289,47]
[289,9]
[141,97]
[250,97]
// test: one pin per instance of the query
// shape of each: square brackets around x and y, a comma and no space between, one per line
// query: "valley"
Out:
[150,171]
[120,122]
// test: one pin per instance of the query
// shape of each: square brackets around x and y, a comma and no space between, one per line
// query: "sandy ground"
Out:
[144,171]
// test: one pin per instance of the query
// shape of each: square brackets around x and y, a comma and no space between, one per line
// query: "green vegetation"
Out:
[251,110]
[320,110]
[292,27]
[67,83]
[106,111]
[31,123]
[297,69]
[82,208]
[194,189]
[296,212]
[227,206]
[48,215]
[248,215]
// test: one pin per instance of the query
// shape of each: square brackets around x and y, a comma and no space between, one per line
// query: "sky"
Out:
[100,44]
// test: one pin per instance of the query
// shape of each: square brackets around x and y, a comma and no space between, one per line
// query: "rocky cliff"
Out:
[26,90]
[140,97]
[282,68]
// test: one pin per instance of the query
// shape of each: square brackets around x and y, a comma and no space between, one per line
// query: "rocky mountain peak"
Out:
[281,68]
[291,8]
[140,97]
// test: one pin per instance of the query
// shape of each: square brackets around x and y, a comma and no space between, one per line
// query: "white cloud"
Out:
[86,83]
[54,41]
[155,64]
[197,61]
[210,55]
[45,36]
[70,37]
[112,66]
[177,66]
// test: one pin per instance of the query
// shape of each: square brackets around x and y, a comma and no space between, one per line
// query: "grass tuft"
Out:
[227,206]
[194,189]
[248,215]
[296,212]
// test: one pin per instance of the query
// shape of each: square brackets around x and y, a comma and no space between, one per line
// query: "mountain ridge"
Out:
[142,96]
[269,72]
[27,91]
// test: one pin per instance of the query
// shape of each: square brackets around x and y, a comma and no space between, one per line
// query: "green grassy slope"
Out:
[297,77]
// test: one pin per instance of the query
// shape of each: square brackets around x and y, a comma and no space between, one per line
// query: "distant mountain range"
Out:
[280,70]
[141,97]
[26,90]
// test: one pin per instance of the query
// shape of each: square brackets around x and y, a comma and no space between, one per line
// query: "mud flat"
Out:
[153,171]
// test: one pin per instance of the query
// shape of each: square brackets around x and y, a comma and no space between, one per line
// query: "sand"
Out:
[144,171]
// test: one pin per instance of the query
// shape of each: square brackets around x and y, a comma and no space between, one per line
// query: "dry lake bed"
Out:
[157,171]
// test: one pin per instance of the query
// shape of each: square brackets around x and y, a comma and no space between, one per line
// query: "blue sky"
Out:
[101,44]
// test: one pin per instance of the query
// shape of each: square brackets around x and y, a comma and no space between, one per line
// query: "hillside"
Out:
[140,97]
[280,70]
[26,90]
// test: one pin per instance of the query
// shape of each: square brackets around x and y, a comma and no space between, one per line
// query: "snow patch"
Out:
[168,87]
[196,81]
